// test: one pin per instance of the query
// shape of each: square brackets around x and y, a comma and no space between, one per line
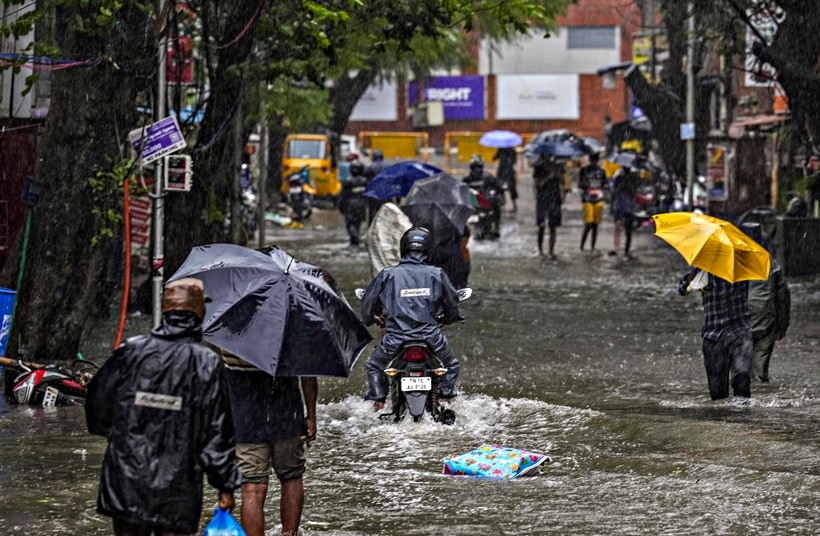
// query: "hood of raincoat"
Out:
[161,402]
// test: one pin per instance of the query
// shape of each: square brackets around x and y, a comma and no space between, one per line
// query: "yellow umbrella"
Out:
[714,245]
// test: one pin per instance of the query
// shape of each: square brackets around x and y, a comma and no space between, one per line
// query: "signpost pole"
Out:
[158,213]
[690,109]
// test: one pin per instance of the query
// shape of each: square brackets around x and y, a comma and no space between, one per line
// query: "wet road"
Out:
[591,359]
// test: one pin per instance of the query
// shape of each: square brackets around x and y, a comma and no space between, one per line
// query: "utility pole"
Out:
[690,109]
[263,164]
[158,212]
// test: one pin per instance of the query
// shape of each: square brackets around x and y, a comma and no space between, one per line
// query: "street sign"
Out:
[157,139]
[687,131]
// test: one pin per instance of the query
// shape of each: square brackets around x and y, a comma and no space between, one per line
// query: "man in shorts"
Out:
[547,174]
[273,424]
[591,180]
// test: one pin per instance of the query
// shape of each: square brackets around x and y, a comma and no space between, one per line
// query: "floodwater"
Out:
[591,359]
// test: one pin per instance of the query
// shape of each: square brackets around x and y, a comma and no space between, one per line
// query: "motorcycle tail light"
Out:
[391,372]
[415,354]
[440,371]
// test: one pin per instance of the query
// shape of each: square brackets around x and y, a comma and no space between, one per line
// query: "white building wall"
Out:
[533,54]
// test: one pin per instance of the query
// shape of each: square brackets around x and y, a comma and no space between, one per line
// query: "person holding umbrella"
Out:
[281,323]
[724,260]
[727,334]
[273,426]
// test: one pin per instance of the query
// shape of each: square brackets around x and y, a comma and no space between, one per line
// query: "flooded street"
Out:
[593,360]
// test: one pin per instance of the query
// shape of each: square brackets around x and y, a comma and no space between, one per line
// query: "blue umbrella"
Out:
[559,149]
[396,180]
[502,139]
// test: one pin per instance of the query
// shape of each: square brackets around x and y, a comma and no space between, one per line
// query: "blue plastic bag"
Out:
[223,524]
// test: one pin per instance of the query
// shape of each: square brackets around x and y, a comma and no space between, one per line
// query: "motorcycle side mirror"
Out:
[464,293]
[359,293]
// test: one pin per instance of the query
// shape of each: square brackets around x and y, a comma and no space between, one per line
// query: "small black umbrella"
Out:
[281,315]
[440,203]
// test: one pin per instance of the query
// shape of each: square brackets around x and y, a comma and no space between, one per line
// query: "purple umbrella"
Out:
[501,139]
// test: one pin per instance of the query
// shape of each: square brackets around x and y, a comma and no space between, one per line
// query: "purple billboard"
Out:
[463,96]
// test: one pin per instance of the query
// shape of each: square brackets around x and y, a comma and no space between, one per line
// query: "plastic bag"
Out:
[223,524]
[699,281]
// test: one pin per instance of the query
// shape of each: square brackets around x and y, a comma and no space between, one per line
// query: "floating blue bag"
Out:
[223,524]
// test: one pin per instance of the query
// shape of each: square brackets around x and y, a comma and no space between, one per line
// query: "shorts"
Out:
[286,456]
[547,210]
[593,211]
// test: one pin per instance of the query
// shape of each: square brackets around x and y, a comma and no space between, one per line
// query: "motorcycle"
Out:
[52,385]
[300,194]
[415,372]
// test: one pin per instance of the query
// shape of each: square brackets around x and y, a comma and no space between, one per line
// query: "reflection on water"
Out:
[592,360]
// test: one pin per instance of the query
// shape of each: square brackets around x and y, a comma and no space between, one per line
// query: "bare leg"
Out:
[290,506]
[252,512]
[594,234]
[587,227]
[540,239]
[552,241]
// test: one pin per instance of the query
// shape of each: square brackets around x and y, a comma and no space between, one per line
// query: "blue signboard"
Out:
[463,96]
[157,139]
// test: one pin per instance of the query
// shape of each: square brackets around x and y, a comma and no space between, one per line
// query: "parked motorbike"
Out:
[415,372]
[52,385]
[300,194]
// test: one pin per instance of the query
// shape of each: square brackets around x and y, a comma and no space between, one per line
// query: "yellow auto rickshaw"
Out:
[321,155]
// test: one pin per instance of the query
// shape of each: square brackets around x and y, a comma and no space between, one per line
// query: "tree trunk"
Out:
[197,217]
[344,95]
[91,111]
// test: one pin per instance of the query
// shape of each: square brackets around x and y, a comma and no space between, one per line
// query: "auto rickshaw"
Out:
[321,155]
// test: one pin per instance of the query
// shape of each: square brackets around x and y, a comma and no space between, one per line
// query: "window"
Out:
[580,37]
[306,149]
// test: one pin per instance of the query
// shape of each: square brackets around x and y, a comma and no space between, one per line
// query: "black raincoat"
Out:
[410,294]
[161,401]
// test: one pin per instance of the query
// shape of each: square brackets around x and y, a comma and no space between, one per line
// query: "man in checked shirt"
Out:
[727,335]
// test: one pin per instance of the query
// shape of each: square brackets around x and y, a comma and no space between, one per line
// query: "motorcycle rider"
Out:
[406,299]
[491,188]
[352,202]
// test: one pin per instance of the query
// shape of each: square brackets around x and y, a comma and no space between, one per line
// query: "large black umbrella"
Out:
[441,204]
[282,315]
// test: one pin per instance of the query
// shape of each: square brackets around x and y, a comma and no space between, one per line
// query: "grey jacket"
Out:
[409,295]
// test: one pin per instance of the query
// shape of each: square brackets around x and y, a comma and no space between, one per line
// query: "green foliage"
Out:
[107,194]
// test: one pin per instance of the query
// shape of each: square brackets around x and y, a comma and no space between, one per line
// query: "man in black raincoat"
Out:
[407,297]
[352,202]
[161,401]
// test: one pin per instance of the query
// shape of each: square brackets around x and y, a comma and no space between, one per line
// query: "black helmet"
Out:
[356,168]
[416,239]
[476,161]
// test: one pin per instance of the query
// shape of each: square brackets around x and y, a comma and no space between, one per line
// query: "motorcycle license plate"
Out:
[295,189]
[423,383]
